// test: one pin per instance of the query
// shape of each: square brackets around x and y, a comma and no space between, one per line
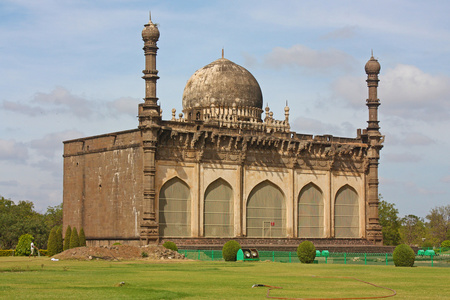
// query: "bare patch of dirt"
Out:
[120,252]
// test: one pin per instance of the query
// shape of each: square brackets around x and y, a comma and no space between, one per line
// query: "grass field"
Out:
[39,278]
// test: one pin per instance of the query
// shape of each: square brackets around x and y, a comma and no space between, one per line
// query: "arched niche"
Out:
[346,213]
[266,211]
[175,209]
[218,210]
[310,212]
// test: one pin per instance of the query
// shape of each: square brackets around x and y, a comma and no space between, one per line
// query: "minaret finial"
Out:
[371,51]
[150,15]
[222,52]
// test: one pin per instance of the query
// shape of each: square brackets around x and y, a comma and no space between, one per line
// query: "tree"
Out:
[52,244]
[82,238]
[390,223]
[74,241]
[413,230]
[59,239]
[439,223]
[53,216]
[24,245]
[16,220]
[67,238]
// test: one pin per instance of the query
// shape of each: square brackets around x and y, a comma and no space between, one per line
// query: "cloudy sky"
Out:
[71,69]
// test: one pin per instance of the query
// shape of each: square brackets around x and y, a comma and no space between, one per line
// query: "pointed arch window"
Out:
[310,212]
[175,209]
[346,213]
[218,210]
[266,211]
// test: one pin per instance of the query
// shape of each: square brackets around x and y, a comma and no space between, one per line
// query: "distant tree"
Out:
[82,238]
[390,223]
[16,220]
[53,216]
[52,244]
[413,230]
[74,241]
[59,239]
[67,238]
[439,223]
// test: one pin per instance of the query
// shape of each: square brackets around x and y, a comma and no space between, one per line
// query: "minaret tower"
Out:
[375,141]
[149,119]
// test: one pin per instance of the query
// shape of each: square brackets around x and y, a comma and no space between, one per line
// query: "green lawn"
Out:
[34,278]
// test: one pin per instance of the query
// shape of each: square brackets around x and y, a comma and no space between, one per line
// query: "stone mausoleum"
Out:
[222,169]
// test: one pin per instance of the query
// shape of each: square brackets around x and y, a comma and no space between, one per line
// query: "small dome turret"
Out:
[372,66]
[150,32]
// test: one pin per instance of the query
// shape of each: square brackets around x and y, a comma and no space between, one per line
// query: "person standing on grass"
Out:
[32,249]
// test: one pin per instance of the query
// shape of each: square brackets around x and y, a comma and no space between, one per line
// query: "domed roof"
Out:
[150,32]
[223,83]
[372,66]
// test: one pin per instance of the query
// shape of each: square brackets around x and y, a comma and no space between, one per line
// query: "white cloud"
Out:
[409,139]
[314,126]
[300,56]
[14,151]
[124,105]
[405,91]
[52,142]
[346,32]
[405,157]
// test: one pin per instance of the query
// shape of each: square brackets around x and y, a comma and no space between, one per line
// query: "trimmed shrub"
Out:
[117,244]
[445,244]
[6,252]
[230,249]
[403,256]
[52,246]
[67,238]
[306,252]
[144,254]
[82,238]
[170,245]
[59,239]
[74,241]
[24,245]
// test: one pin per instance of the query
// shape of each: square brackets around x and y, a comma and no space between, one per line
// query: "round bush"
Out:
[229,250]
[306,252]
[24,245]
[445,244]
[170,245]
[403,256]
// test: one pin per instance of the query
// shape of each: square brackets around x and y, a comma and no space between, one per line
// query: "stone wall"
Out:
[103,185]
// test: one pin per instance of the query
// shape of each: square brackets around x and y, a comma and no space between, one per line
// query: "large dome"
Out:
[224,84]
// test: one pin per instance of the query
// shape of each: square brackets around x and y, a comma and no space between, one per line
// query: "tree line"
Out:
[412,230]
[21,218]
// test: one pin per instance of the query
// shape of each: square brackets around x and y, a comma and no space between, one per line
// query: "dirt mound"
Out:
[119,252]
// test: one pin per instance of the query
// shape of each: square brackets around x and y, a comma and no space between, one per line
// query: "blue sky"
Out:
[71,69]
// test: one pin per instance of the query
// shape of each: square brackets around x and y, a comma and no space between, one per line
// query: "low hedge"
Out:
[6,252]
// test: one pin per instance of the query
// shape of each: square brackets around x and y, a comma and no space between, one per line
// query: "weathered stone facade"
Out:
[220,171]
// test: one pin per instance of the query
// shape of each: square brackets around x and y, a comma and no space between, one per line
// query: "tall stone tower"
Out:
[375,140]
[149,120]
